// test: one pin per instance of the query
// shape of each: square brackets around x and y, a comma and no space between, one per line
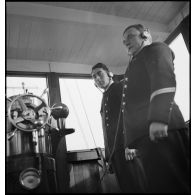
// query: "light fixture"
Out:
[30,178]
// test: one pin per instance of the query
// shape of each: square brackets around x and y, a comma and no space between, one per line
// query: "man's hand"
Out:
[130,154]
[157,131]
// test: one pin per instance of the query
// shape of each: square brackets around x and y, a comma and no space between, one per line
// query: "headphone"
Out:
[145,34]
[110,74]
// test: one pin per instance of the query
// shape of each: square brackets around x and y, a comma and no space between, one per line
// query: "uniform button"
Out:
[125,86]
[106,111]
[105,104]
[123,95]
[106,118]
[124,103]
[107,124]
[126,79]
[122,110]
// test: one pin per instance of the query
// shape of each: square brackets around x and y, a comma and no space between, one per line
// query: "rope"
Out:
[85,114]
[77,118]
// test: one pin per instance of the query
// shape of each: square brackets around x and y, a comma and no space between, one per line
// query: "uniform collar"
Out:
[139,51]
[111,82]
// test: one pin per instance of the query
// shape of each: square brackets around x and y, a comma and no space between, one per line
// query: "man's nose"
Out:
[98,77]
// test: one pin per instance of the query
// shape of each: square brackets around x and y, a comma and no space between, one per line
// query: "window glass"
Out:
[84,101]
[18,85]
[182,71]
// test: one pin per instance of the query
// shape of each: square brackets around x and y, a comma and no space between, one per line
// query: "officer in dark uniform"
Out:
[112,127]
[154,128]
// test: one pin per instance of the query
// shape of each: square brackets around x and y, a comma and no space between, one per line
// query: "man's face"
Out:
[101,78]
[132,40]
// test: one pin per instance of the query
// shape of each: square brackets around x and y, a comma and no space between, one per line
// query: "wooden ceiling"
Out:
[79,34]
[153,11]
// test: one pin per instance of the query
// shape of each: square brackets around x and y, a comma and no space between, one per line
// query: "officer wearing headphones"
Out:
[102,76]
[110,105]
[112,125]
[154,128]
[142,40]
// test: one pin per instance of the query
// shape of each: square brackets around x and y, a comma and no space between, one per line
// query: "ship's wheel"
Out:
[28,112]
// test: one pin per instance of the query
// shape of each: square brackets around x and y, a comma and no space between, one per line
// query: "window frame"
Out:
[52,81]
[168,41]
[78,76]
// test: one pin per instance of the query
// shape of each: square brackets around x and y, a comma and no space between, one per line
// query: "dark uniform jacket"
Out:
[148,92]
[110,108]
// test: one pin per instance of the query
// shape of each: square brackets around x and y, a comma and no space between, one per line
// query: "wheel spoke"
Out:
[18,120]
[22,104]
[39,107]
[30,116]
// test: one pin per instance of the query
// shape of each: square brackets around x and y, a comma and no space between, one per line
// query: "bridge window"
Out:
[16,85]
[83,101]
[182,71]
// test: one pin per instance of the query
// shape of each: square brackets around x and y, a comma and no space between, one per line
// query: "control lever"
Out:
[59,110]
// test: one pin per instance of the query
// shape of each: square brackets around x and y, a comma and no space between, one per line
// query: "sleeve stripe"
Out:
[164,90]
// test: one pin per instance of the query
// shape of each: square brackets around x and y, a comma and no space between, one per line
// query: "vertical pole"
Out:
[58,143]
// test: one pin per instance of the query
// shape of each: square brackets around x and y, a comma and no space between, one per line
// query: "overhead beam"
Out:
[179,17]
[58,67]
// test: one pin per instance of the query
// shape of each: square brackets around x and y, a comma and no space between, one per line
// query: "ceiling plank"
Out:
[179,17]
[59,13]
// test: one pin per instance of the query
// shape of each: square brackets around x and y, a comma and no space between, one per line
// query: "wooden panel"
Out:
[86,169]
[82,155]
[85,177]
[71,175]
[79,181]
